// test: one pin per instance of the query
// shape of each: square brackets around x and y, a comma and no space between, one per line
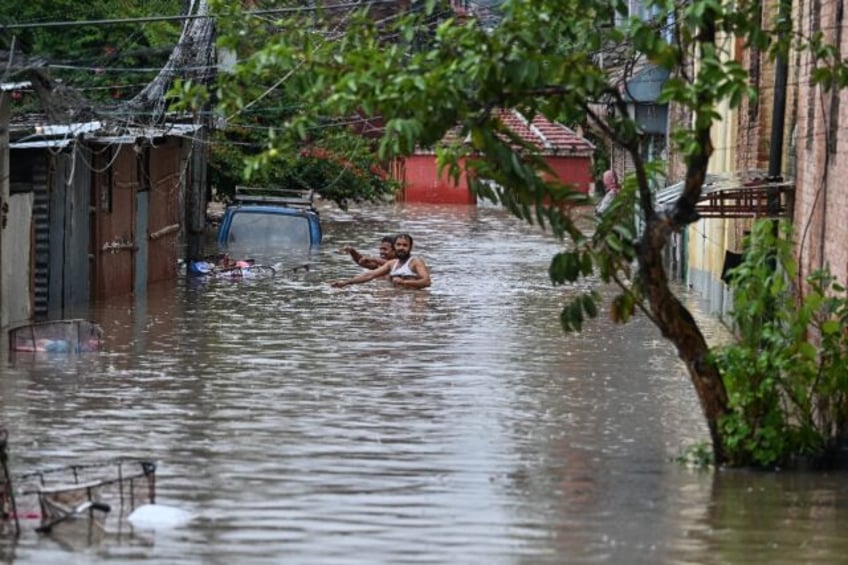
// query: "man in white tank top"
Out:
[404,270]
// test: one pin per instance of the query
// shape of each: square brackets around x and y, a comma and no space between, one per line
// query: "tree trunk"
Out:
[678,326]
[671,317]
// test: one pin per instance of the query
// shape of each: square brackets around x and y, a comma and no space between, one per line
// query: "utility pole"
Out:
[4,201]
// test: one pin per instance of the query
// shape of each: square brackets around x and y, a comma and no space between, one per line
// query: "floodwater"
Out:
[299,423]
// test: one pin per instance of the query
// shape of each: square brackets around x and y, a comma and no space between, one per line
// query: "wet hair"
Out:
[405,236]
[390,239]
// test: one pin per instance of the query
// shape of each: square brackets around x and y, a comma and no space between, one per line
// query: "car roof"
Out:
[269,209]
[275,196]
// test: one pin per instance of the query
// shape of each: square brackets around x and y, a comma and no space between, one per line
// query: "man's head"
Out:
[403,246]
[387,247]
[611,181]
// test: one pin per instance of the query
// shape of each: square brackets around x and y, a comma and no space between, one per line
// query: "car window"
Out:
[269,229]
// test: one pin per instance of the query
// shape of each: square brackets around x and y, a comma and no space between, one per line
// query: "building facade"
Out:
[568,155]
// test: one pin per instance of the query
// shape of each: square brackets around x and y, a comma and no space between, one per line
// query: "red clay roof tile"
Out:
[551,138]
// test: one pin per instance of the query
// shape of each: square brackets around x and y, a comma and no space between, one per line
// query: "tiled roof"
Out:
[549,137]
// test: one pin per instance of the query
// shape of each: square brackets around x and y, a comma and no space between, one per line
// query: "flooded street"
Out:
[305,424]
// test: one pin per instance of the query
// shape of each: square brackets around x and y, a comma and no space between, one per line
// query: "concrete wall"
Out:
[717,296]
[15,237]
[16,267]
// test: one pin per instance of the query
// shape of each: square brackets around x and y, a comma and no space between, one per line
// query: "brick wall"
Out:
[821,198]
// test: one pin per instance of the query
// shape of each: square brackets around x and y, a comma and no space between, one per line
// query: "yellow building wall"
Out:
[709,238]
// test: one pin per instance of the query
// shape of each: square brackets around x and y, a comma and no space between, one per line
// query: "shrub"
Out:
[786,373]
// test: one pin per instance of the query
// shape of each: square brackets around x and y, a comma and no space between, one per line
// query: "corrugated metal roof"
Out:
[9,86]
[132,134]
[42,143]
[60,135]
[55,130]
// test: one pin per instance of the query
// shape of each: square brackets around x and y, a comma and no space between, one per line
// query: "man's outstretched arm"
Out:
[364,277]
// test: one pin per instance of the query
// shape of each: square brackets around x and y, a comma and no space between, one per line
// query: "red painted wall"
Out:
[576,171]
[421,184]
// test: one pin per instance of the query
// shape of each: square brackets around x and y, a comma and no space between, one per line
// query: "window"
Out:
[269,229]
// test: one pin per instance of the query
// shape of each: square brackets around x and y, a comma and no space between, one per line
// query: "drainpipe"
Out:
[778,116]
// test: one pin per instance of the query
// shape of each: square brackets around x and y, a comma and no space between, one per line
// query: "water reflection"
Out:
[377,425]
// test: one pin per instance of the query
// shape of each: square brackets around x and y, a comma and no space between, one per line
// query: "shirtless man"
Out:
[387,252]
[404,270]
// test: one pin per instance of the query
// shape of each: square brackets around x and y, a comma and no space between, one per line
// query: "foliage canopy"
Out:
[107,63]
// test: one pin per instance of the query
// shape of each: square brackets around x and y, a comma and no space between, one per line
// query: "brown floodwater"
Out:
[300,423]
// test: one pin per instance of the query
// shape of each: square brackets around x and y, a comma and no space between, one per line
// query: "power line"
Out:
[79,23]
[105,69]
[148,19]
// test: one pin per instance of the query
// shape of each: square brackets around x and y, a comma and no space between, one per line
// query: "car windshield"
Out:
[269,229]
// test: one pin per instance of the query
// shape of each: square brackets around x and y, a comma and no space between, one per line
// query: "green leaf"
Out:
[586,266]
[831,327]
[614,243]
[808,350]
[590,307]
[571,317]
[565,267]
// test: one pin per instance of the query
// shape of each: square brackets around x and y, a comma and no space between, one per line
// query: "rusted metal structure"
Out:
[738,195]
[99,212]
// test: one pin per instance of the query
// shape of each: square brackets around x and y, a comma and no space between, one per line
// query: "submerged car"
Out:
[270,218]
